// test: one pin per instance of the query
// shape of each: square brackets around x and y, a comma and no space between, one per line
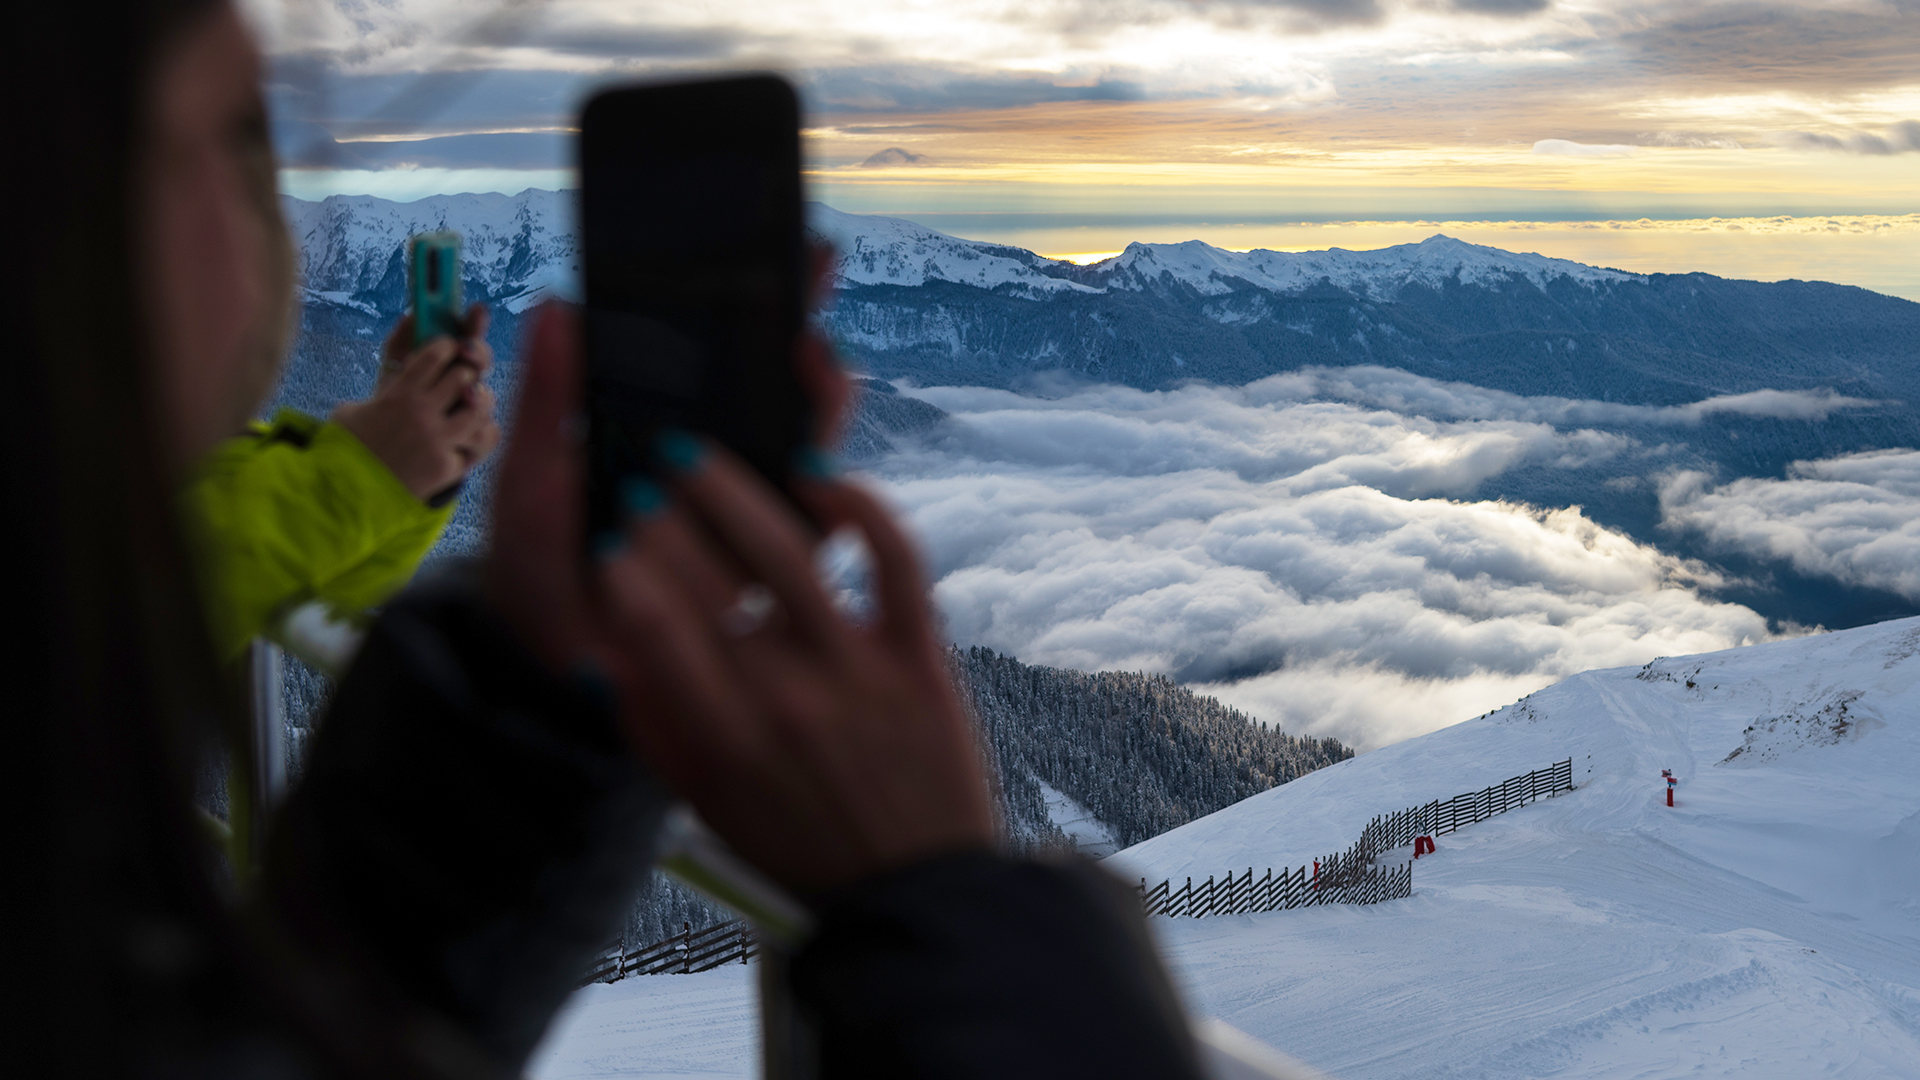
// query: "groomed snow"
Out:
[1766,926]
[662,1027]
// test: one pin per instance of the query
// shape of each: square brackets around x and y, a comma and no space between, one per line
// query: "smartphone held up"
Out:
[695,276]
[433,278]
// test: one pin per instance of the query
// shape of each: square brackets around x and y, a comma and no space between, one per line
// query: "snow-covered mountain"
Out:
[515,248]
[519,245]
[1377,275]
[1767,926]
[889,251]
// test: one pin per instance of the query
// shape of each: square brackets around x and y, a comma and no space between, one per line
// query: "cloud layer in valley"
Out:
[1322,563]
[1855,518]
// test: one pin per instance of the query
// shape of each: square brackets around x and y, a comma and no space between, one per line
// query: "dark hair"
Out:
[110,687]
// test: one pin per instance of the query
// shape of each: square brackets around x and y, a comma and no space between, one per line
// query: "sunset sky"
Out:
[1768,140]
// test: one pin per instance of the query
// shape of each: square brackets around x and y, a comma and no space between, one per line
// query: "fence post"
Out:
[686,948]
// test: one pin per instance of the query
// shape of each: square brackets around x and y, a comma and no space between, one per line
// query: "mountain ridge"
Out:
[916,306]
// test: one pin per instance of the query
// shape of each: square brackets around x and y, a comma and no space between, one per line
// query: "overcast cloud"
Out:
[1323,564]
[1855,519]
[986,82]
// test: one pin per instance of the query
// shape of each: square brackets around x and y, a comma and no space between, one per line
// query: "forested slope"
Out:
[1144,754]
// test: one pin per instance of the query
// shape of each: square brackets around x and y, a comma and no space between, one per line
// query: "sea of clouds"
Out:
[1853,518]
[1324,564]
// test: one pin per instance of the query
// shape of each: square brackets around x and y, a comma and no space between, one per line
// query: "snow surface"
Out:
[1090,835]
[1766,926]
[656,1026]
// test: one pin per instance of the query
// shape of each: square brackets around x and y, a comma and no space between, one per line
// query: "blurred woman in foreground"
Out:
[481,803]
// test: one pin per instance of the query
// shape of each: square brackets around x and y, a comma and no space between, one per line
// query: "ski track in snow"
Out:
[1767,926]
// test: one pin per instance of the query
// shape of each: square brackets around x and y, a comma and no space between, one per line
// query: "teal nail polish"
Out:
[642,497]
[815,463]
[609,544]
[678,449]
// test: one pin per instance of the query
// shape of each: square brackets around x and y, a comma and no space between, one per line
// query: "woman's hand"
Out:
[822,748]
[430,418]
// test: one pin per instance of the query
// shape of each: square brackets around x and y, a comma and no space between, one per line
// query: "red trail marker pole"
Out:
[1672,781]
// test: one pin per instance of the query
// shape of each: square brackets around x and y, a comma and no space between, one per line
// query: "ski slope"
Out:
[1766,926]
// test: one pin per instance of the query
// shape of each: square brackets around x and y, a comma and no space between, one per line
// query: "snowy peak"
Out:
[520,248]
[890,251]
[1378,275]
[516,249]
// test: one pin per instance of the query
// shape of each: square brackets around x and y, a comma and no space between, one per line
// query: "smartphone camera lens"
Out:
[433,271]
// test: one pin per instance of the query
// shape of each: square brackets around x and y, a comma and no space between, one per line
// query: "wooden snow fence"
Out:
[1351,876]
[682,954]
[1347,878]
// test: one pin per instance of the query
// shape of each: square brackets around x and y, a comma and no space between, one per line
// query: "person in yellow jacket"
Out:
[342,511]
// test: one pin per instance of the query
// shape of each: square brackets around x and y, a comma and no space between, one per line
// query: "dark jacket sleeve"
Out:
[976,965]
[470,826]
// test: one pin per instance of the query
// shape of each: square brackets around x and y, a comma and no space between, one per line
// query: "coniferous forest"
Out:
[1142,753]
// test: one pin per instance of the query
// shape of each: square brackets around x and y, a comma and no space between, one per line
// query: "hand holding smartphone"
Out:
[695,276]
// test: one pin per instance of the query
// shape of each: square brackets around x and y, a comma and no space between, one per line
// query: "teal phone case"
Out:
[433,270]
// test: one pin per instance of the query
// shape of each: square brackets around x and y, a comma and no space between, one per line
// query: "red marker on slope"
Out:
[1672,781]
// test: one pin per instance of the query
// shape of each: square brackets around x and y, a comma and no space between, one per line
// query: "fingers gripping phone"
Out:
[695,276]
[433,277]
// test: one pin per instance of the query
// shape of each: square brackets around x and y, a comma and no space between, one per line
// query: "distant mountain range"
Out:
[916,303]
[1735,378]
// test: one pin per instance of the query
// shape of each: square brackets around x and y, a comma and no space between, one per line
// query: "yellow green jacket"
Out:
[296,511]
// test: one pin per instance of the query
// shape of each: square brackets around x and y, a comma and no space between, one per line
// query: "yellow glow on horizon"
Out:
[1646,169]
[1220,144]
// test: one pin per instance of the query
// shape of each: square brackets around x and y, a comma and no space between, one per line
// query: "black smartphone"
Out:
[695,276]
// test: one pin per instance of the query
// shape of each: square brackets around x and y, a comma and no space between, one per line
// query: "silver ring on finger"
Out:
[749,613]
